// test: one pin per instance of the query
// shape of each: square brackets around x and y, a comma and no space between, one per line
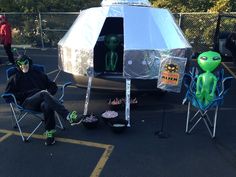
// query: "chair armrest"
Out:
[189,83]
[9,98]
[184,100]
[63,90]
[226,84]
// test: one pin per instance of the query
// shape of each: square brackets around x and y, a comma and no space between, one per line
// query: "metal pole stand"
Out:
[161,133]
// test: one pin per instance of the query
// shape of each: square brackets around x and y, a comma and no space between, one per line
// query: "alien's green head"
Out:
[209,60]
[112,41]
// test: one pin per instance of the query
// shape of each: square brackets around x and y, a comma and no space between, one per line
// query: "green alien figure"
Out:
[207,81]
[111,41]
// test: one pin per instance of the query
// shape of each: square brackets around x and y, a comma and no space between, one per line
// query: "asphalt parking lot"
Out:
[137,152]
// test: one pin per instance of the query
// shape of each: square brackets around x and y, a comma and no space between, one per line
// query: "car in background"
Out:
[225,31]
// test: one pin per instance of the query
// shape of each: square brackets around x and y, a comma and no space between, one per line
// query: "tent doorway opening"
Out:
[109,48]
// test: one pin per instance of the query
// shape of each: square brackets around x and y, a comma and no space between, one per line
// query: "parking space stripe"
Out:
[84,143]
[101,163]
[65,140]
[5,137]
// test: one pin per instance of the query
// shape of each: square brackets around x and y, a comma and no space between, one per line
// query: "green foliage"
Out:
[222,6]
[29,6]
[27,28]
[199,29]
[177,6]
[193,25]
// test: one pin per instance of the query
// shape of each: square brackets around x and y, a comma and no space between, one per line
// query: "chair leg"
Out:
[188,115]
[59,121]
[211,126]
[208,119]
[34,130]
[188,129]
[195,115]
[208,127]
[17,123]
[215,120]
[19,117]
[200,118]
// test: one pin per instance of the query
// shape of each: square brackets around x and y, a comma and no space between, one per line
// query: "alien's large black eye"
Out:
[216,58]
[203,58]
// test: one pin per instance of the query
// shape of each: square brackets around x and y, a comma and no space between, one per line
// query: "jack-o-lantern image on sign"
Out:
[170,75]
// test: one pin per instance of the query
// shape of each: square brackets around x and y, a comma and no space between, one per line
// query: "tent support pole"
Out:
[87,95]
[127,101]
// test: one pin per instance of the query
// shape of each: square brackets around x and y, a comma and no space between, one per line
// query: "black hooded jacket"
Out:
[24,85]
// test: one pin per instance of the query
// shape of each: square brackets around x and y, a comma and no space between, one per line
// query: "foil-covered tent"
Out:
[150,46]
[146,34]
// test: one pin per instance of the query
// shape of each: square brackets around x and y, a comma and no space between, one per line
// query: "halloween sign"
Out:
[171,73]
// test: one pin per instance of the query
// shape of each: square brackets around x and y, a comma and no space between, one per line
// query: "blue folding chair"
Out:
[201,111]
[19,113]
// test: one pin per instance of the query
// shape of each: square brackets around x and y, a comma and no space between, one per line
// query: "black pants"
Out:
[9,53]
[44,102]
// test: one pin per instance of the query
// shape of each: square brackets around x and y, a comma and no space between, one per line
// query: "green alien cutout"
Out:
[111,41]
[207,81]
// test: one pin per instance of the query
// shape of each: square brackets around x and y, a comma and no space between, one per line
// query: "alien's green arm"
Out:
[214,85]
[199,81]
[115,62]
[106,62]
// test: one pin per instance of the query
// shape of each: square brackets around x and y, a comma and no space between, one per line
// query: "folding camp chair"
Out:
[202,112]
[19,113]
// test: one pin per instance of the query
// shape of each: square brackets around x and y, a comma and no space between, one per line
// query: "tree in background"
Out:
[29,6]
[177,6]
[199,28]
[27,27]
[223,6]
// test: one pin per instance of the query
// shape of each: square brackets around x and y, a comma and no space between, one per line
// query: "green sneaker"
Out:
[73,118]
[50,140]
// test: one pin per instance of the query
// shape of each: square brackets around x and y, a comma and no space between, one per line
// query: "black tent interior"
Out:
[112,25]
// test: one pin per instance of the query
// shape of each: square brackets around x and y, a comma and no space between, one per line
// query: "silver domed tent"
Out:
[147,37]
[146,33]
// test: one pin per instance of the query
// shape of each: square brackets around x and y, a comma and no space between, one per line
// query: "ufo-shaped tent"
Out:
[128,39]
[145,35]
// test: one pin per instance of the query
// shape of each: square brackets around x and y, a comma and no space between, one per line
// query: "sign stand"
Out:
[161,133]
